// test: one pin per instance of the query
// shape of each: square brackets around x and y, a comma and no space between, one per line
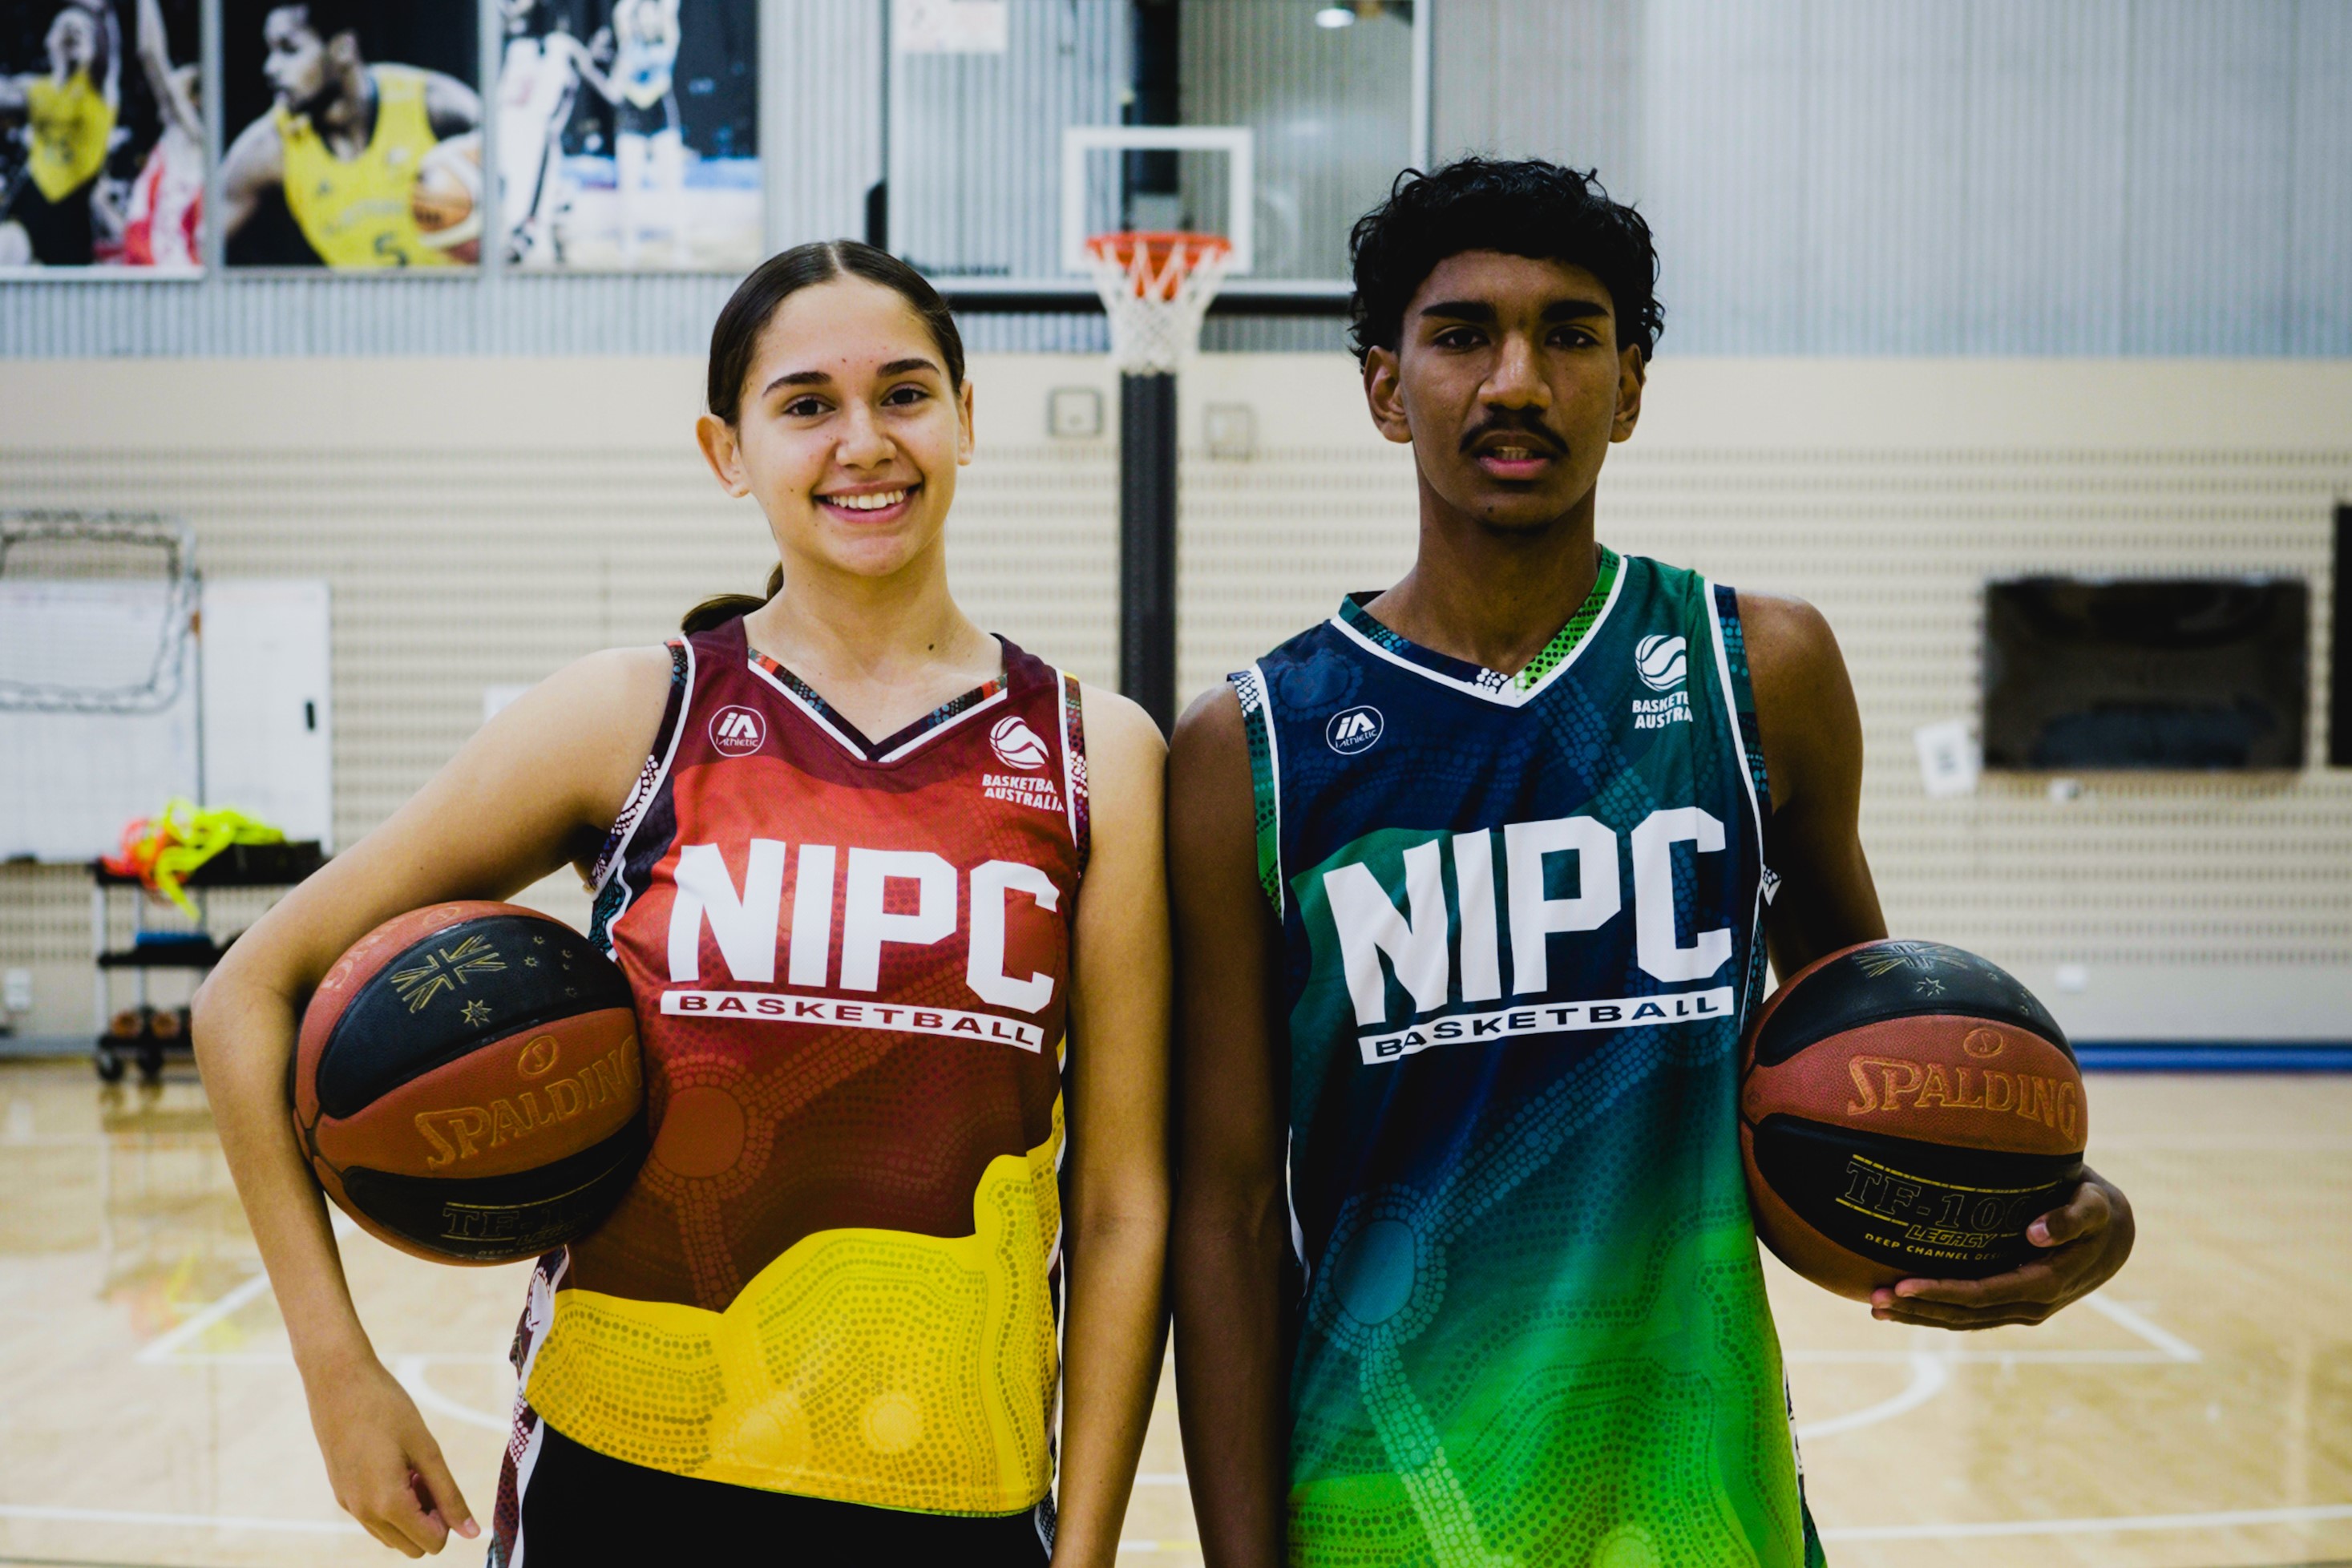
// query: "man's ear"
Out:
[343,48]
[1384,395]
[724,453]
[1633,375]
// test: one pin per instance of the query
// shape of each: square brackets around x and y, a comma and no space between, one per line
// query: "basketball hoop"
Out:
[1156,289]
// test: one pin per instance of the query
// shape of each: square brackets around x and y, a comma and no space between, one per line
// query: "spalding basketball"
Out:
[467,1085]
[1905,1110]
[446,198]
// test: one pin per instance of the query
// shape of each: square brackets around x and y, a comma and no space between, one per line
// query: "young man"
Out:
[341,145]
[1464,1270]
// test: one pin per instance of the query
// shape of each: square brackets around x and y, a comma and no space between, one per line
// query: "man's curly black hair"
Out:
[1520,208]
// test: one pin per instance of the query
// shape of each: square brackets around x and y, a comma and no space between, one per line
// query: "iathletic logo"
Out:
[737,731]
[1017,745]
[1354,729]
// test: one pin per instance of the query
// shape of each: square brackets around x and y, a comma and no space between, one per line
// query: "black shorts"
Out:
[581,1509]
[60,231]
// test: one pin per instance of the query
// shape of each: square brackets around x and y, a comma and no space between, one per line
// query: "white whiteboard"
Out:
[251,725]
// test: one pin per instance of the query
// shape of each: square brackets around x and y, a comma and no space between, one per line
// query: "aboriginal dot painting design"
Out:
[1534,1328]
[1250,688]
[836,1271]
[1073,752]
[1751,742]
[1554,653]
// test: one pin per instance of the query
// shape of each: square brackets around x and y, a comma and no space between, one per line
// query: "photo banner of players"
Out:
[628,135]
[353,134]
[102,135]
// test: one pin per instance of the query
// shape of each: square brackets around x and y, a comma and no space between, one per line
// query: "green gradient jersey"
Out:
[1521,920]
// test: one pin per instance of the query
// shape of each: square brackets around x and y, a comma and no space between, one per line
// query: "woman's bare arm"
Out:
[534,788]
[1116,1229]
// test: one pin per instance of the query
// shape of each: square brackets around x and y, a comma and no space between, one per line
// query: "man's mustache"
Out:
[1517,423]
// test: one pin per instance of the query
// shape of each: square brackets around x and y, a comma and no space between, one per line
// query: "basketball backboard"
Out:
[1008,134]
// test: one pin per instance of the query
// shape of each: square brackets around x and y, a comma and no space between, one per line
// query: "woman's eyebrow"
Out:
[821,378]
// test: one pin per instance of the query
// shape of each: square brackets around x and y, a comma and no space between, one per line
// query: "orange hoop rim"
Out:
[1158,240]
[1156,262]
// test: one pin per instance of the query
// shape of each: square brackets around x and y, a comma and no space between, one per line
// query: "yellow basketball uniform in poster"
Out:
[354,212]
[71,124]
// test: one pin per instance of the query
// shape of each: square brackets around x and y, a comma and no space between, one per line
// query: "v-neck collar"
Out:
[1357,623]
[901,742]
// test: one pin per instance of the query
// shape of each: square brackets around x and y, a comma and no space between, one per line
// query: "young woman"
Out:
[828,1322]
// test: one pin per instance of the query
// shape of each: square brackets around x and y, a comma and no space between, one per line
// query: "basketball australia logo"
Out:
[1354,729]
[1663,664]
[1017,745]
[737,731]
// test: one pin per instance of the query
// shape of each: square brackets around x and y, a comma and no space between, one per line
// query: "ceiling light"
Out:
[1335,17]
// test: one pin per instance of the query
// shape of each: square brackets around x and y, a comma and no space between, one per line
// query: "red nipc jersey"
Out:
[838,1272]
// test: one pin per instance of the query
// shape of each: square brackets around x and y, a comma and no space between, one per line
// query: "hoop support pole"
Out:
[1147,544]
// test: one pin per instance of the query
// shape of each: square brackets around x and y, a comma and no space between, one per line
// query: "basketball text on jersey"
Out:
[1445,941]
[838,1273]
[1521,931]
[745,923]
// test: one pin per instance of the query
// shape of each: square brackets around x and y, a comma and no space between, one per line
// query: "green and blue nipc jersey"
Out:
[1521,920]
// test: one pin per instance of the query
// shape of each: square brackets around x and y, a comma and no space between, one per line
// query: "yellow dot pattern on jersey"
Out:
[869,1366]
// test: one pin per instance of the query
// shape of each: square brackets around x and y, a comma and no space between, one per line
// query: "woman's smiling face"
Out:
[850,432]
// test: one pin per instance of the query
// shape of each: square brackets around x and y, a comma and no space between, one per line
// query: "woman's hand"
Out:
[2086,1242]
[386,1467]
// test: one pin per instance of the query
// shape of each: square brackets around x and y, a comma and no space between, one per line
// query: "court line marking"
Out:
[164,1349]
[2225,1520]
[50,1513]
[1929,1374]
[2171,1345]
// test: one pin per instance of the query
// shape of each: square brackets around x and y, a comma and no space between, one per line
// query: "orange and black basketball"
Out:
[467,1085]
[1905,1110]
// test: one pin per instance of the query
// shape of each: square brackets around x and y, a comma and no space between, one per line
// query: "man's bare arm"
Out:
[1813,756]
[1812,761]
[1230,1230]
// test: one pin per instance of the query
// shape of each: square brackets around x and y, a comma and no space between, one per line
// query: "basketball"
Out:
[466,1083]
[447,198]
[1905,1110]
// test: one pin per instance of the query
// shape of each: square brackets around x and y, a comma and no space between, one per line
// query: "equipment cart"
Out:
[144,1033]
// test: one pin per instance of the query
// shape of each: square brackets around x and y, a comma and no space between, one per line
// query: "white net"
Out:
[96,612]
[1156,289]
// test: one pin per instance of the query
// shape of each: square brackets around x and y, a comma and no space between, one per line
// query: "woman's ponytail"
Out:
[721,608]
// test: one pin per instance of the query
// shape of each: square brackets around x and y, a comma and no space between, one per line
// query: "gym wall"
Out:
[481,520]
[1826,176]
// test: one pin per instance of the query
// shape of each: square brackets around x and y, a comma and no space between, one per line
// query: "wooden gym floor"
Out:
[2198,1412]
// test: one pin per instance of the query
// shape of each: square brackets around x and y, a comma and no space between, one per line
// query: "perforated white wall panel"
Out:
[482,522]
